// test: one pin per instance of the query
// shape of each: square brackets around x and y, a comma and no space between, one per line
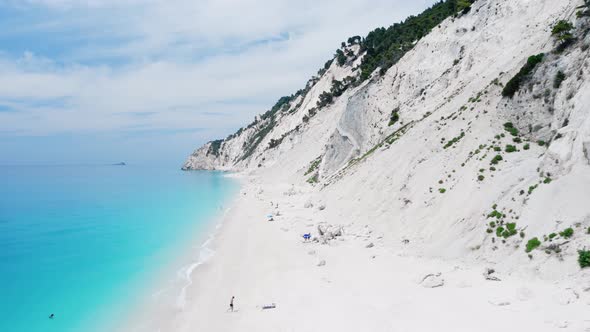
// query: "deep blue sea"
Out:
[87,243]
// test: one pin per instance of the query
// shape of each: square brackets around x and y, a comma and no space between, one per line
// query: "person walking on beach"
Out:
[231,304]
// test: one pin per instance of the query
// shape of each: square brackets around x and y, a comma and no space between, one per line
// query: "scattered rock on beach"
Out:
[321,207]
[308,204]
[321,263]
[321,231]
[489,274]
[568,296]
[328,233]
[370,245]
[290,192]
[563,325]
[433,280]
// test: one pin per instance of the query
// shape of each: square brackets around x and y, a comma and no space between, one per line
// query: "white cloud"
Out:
[179,62]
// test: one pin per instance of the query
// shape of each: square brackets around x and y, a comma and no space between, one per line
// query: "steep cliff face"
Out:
[432,148]
[274,132]
[460,53]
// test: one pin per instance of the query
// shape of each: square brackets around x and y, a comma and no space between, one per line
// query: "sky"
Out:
[148,81]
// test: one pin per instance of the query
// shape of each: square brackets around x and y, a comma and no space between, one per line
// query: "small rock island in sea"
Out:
[120,164]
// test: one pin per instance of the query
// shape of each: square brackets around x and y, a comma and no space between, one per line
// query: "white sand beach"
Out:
[356,281]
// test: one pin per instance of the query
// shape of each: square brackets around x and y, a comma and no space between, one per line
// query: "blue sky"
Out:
[100,81]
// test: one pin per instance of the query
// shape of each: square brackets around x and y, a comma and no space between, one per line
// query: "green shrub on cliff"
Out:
[510,148]
[394,117]
[385,47]
[559,78]
[215,147]
[567,233]
[562,30]
[584,258]
[496,159]
[340,57]
[516,82]
[532,244]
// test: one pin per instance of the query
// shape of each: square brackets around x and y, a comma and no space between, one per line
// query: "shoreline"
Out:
[206,249]
[162,305]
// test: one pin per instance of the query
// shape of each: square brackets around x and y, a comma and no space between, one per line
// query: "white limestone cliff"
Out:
[431,176]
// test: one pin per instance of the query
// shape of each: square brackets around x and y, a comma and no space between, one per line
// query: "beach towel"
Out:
[269,306]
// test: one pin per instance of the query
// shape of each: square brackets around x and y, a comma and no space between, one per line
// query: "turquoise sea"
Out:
[89,243]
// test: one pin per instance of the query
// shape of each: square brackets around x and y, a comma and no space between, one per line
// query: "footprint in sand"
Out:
[562,325]
[464,284]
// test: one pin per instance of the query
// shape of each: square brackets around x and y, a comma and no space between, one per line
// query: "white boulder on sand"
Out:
[431,174]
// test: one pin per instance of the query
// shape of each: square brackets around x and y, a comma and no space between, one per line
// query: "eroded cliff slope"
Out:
[475,141]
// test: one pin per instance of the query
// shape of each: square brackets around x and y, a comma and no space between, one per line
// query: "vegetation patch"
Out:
[313,179]
[532,188]
[454,140]
[397,134]
[214,147]
[496,159]
[509,231]
[584,9]
[567,233]
[338,87]
[562,31]
[584,258]
[510,148]
[495,214]
[516,82]
[385,47]
[476,99]
[267,121]
[394,117]
[314,165]
[502,230]
[532,244]
[559,78]
[276,142]
[509,127]
[340,57]
[253,142]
